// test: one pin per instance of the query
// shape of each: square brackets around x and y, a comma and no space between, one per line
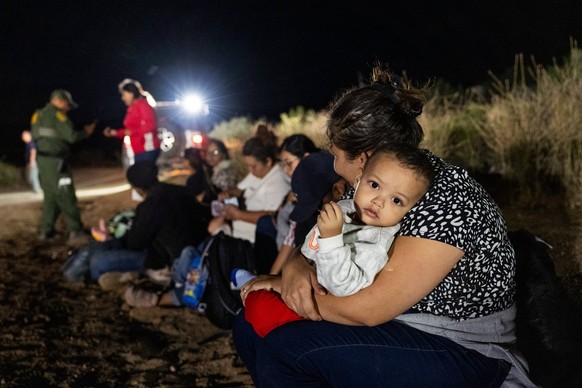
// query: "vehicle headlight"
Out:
[193,104]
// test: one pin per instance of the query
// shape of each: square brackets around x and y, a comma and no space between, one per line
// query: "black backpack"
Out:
[222,255]
[545,329]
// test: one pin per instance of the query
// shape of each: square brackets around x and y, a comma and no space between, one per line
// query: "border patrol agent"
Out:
[54,134]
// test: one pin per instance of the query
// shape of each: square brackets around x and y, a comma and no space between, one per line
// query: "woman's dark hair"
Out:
[262,146]
[133,87]
[194,158]
[220,145]
[298,145]
[362,119]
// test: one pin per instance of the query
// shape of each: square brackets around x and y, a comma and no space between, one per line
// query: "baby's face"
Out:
[387,191]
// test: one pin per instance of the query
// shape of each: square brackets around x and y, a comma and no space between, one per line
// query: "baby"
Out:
[349,244]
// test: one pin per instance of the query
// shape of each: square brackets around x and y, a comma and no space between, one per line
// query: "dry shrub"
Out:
[9,175]
[308,122]
[535,131]
[451,130]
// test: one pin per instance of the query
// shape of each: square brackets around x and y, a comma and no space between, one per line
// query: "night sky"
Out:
[257,57]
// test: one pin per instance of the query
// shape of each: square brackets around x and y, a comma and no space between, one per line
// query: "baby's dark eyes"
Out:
[396,201]
[374,185]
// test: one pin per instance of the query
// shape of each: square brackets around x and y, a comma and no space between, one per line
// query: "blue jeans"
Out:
[32,178]
[116,260]
[323,354]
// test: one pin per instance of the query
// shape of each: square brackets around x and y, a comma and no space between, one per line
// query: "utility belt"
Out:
[63,159]
[57,155]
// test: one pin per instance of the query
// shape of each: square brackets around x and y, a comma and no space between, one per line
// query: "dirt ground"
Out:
[55,333]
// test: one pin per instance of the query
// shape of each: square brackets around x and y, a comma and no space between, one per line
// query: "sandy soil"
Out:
[55,333]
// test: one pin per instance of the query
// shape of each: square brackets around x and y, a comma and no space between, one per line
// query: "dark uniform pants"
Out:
[59,195]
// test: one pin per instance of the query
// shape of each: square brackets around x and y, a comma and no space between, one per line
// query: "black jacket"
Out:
[165,222]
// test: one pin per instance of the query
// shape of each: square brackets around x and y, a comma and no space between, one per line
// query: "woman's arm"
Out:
[281,258]
[415,268]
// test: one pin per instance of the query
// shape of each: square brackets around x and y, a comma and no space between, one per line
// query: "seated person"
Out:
[350,242]
[261,191]
[224,174]
[214,172]
[440,313]
[272,229]
[165,222]
[198,184]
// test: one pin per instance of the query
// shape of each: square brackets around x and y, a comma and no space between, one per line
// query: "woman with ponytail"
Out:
[440,313]
[139,124]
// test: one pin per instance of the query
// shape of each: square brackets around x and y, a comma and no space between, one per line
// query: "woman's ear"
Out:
[358,178]
[362,159]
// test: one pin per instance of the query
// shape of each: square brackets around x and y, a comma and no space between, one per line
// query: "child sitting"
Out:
[350,242]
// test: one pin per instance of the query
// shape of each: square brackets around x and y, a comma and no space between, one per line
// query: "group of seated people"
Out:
[278,203]
[378,263]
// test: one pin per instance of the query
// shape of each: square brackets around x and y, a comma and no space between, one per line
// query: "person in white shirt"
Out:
[263,189]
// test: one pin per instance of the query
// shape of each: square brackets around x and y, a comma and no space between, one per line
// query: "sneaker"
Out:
[138,297]
[162,276]
[111,281]
[239,277]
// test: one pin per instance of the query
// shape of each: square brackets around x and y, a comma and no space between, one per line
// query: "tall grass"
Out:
[299,120]
[535,130]
[529,129]
[451,125]
[9,175]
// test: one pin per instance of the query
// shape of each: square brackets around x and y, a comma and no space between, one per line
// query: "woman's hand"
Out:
[262,282]
[231,212]
[108,132]
[298,281]
[89,128]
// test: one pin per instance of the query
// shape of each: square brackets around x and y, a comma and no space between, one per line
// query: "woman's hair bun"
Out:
[266,136]
[409,99]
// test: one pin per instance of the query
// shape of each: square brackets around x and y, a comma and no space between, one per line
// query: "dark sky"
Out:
[258,57]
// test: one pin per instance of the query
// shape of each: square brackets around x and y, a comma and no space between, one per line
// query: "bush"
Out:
[452,131]
[308,122]
[234,131]
[529,130]
[9,175]
[535,131]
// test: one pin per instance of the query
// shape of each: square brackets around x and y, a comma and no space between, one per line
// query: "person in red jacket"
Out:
[139,123]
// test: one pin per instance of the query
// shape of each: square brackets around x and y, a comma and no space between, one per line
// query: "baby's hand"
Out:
[330,220]
[262,282]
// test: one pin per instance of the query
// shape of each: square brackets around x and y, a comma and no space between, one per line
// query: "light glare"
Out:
[193,103]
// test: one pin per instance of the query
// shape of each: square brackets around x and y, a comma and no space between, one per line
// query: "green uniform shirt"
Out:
[53,131]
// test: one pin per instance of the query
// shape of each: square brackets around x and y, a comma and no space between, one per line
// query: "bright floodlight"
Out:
[193,103]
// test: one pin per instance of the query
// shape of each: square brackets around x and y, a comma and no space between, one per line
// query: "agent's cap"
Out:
[142,175]
[64,95]
[311,181]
